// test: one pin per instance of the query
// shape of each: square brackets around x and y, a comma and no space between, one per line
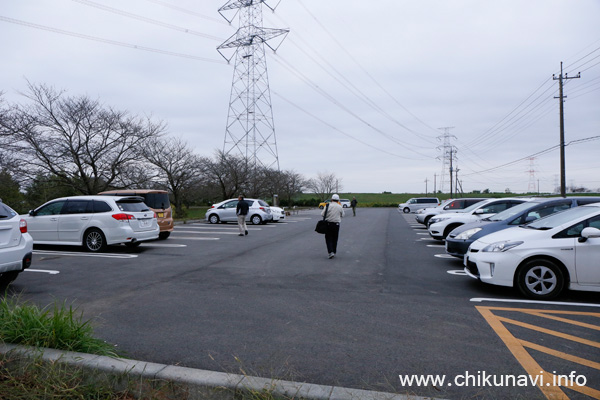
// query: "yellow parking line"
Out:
[550,332]
[521,354]
[560,354]
[565,320]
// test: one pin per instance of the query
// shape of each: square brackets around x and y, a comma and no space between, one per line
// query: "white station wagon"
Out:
[93,222]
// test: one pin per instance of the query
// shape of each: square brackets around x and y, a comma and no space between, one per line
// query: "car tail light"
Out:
[23,226]
[123,217]
[262,208]
[155,216]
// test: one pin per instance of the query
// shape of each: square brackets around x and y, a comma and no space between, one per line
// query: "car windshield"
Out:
[562,217]
[510,212]
[472,207]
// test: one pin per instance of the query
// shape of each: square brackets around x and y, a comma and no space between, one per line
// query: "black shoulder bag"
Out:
[322,224]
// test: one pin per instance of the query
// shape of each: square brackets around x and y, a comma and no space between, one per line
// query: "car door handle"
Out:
[84,218]
[53,219]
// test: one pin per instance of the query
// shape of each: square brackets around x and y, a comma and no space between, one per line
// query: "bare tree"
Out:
[176,167]
[324,185]
[83,144]
[228,173]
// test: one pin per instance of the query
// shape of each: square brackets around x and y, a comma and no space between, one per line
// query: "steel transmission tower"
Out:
[448,156]
[250,130]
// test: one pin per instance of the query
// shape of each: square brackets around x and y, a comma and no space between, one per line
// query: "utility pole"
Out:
[426,180]
[563,185]
[434,183]
[448,151]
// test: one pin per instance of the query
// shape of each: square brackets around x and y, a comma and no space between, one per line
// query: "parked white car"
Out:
[424,215]
[543,257]
[278,213]
[416,203]
[441,225]
[93,222]
[259,212]
[16,245]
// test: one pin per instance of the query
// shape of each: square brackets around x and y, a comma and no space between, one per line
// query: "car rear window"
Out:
[130,205]
[157,200]
[6,212]
[262,203]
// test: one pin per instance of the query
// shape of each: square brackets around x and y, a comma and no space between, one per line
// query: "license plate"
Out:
[161,215]
[145,223]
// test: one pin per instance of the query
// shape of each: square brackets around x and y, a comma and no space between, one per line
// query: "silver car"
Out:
[259,212]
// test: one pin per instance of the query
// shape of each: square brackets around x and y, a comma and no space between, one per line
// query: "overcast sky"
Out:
[359,88]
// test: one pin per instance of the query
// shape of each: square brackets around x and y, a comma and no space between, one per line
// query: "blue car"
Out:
[459,240]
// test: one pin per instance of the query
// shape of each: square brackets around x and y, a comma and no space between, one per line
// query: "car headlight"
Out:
[438,219]
[501,246]
[467,234]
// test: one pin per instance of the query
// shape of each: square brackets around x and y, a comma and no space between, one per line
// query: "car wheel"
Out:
[426,221]
[6,278]
[321,207]
[256,219]
[540,279]
[164,235]
[213,219]
[94,240]
[406,210]
[449,229]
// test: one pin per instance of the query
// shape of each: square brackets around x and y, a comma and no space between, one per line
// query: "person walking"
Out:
[333,214]
[353,204]
[241,211]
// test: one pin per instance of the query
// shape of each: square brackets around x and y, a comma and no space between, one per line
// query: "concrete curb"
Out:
[190,383]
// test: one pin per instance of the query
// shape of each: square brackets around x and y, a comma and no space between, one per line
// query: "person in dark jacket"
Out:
[353,204]
[242,211]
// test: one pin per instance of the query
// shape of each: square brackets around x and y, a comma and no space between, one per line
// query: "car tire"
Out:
[94,240]
[426,221]
[6,278]
[164,235]
[256,219]
[540,279]
[406,210]
[449,229]
[213,219]
[321,207]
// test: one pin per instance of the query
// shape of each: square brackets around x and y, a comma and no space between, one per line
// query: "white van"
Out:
[416,203]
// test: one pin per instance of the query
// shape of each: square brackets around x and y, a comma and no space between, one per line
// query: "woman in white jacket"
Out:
[333,212]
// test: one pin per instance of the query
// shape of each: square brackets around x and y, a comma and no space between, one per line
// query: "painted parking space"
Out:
[513,324]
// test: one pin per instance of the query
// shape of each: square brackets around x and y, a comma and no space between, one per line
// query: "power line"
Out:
[108,41]
[148,20]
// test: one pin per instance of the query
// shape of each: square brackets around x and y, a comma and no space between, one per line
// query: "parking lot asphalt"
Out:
[390,305]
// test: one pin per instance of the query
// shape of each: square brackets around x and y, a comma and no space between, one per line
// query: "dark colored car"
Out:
[459,240]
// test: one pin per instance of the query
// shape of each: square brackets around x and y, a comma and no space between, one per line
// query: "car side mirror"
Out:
[530,218]
[589,233]
[479,211]
[31,213]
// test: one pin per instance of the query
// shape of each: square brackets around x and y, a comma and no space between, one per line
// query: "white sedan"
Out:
[441,225]
[278,213]
[544,257]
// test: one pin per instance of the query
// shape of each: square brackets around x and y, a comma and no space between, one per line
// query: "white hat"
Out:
[335,197]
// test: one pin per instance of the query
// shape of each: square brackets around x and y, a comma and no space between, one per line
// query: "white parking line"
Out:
[436,245]
[213,232]
[557,303]
[164,245]
[457,272]
[444,256]
[46,271]
[423,233]
[200,228]
[74,254]
[195,238]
